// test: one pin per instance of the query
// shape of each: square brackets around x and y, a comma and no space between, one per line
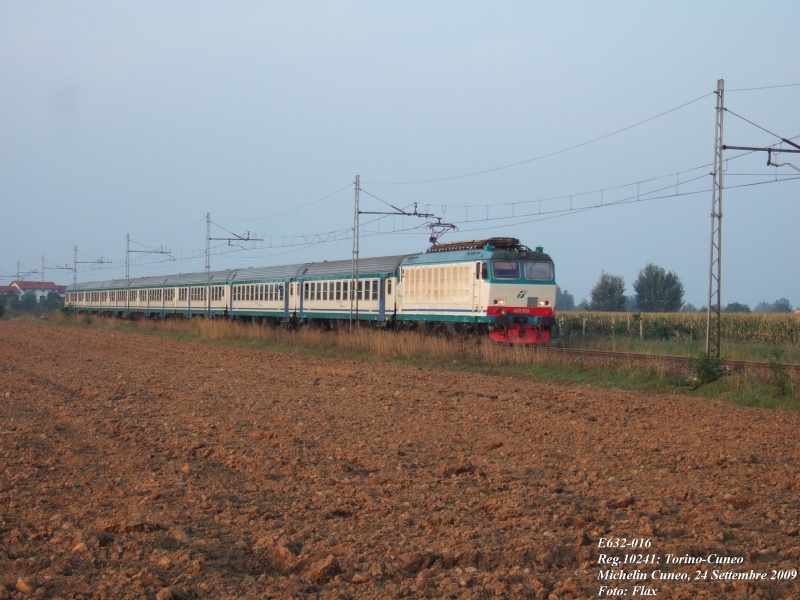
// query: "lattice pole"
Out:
[714,315]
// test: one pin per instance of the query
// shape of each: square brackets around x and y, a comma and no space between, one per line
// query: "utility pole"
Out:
[231,240]
[127,256]
[208,264]
[714,314]
[75,262]
[354,260]
[42,271]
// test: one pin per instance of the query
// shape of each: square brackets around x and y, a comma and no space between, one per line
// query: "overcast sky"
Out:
[140,117]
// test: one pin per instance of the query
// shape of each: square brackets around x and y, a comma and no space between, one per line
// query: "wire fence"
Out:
[766,328]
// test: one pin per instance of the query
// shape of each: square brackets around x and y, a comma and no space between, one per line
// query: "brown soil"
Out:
[138,466]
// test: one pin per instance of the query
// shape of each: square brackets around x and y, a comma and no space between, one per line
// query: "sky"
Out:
[138,118]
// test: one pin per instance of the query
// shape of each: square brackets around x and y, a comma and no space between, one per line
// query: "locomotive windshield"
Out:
[506,269]
[538,271]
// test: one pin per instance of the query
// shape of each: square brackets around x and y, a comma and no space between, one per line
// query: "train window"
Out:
[366,290]
[484,271]
[374,289]
[345,287]
[338,290]
[325,291]
[506,269]
[388,287]
[319,290]
[538,270]
[305,291]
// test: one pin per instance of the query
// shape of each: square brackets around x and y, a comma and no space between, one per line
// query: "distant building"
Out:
[4,289]
[40,288]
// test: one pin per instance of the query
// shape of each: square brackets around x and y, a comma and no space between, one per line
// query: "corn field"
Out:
[765,328]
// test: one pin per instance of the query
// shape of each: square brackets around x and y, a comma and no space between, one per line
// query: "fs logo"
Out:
[521,294]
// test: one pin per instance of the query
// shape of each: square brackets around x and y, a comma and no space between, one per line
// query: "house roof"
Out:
[4,289]
[35,285]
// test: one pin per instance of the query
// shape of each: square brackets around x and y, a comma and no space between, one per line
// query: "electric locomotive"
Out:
[497,285]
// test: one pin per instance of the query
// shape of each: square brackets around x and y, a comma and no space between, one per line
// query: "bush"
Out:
[781,382]
[706,368]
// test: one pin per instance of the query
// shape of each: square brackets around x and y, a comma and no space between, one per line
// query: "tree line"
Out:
[29,302]
[655,290]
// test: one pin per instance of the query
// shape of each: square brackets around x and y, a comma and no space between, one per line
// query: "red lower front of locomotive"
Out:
[521,324]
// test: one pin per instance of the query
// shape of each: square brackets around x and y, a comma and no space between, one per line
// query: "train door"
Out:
[476,288]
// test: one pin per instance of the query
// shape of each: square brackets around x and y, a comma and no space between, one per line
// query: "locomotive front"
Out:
[521,294]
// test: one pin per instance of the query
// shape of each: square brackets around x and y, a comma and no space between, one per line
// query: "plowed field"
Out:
[139,466]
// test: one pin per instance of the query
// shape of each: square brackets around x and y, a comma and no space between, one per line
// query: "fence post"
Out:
[641,328]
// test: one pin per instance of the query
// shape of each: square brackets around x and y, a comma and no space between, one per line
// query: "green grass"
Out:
[752,351]
[744,388]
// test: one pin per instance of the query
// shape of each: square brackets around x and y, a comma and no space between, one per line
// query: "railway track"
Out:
[732,365]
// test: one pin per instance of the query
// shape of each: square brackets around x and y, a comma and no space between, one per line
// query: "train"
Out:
[497,287]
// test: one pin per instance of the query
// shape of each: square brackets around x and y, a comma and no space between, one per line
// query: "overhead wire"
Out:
[623,201]
[289,211]
[548,155]
[753,124]
[766,87]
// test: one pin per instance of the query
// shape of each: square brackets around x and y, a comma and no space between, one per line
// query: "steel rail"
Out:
[668,358]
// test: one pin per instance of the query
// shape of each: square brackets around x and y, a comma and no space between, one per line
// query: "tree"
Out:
[736,307]
[630,304]
[689,307]
[12,300]
[583,305]
[781,305]
[564,300]
[657,290]
[28,301]
[609,293]
[2,306]
[54,301]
